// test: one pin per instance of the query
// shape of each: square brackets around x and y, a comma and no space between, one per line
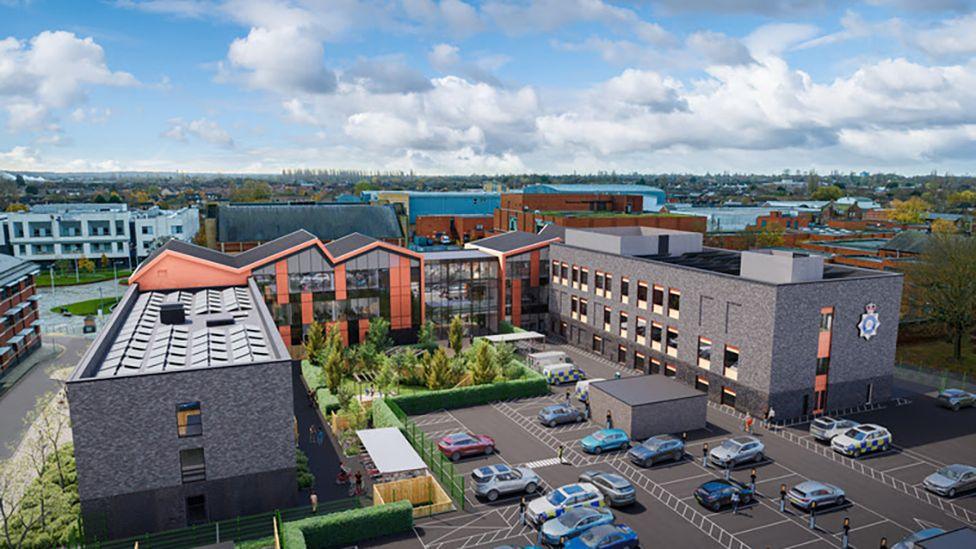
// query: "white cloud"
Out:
[549,15]
[775,38]
[951,37]
[719,48]
[51,71]
[282,59]
[387,74]
[20,158]
[201,128]
[644,89]
[447,58]
[93,115]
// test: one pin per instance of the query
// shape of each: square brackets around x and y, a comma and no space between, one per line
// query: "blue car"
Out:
[573,523]
[608,536]
[560,413]
[605,439]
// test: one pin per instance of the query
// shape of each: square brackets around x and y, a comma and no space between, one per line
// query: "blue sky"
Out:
[496,86]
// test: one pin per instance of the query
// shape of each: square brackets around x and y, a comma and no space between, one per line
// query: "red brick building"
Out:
[20,334]
[457,228]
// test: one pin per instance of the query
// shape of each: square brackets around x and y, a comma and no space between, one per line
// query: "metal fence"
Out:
[252,527]
[440,466]
[935,377]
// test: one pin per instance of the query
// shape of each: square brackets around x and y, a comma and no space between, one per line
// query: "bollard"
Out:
[813,515]
[782,498]
[847,530]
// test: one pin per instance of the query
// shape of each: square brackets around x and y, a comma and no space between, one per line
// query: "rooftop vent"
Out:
[220,320]
[781,267]
[172,313]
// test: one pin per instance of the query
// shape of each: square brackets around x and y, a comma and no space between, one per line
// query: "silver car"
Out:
[951,480]
[617,490]
[811,492]
[826,428]
[736,451]
[954,399]
[493,481]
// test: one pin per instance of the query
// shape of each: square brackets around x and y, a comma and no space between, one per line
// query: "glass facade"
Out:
[465,286]
[527,289]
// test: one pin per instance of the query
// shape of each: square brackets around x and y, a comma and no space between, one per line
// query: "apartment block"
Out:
[751,329]
[20,334]
[182,412]
[153,227]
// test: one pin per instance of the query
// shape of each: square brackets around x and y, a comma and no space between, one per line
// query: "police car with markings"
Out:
[570,496]
[861,440]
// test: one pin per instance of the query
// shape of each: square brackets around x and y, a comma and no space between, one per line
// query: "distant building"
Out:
[451,229]
[182,412]
[237,227]
[426,203]
[20,334]
[653,197]
[152,227]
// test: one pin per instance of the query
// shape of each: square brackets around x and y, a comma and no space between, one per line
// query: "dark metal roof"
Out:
[12,268]
[348,243]
[909,241]
[641,390]
[551,230]
[510,241]
[729,262]
[248,257]
[264,222]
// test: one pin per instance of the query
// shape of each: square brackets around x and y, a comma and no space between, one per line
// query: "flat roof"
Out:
[447,255]
[646,389]
[143,344]
[730,262]
[390,451]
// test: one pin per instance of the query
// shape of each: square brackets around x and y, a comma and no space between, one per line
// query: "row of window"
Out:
[578,278]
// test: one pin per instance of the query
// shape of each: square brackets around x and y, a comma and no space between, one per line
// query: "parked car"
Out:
[562,499]
[605,439]
[657,449]
[716,494]
[951,480]
[496,480]
[560,413]
[921,535]
[954,399]
[566,372]
[826,428]
[861,440]
[738,450]
[807,493]
[573,523]
[457,445]
[608,536]
[617,490]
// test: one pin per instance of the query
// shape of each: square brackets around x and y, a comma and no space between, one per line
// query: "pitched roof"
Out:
[264,222]
[509,241]
[348,243]
[551,230]
[12,268]
[248,257]
[913,242]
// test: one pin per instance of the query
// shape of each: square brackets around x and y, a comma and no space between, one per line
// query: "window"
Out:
[623,324]
[564,269]
[176,229]
[730,364]
[655,366]
[641,331]
[657,336]
[672,341]
[608,290]
[658,299]
[192,466]
[189,422]
[701,383]
[670,370]
[575,276]
[674,303]
[598,281]
[728,396]
[585,280]
[196,510]
[641,294]
[574,307]
[625,290]
[597,344]
[583,317]
[622,354]
[826,319]
[147,229]
[704,352]
[823,366]
[606,319]
[555,272]
[639,361]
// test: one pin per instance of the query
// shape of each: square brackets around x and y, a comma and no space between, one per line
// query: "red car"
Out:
[465,444]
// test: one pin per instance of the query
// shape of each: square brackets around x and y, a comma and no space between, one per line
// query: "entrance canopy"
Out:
[530,341]
[390,451]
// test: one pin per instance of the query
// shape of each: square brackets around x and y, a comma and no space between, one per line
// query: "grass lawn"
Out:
[88,307]
[68,279]
[937,354]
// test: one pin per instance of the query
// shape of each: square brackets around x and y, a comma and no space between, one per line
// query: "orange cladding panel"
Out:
[823,345]
[820,383]
[281,280]
[340,281]
[308,316]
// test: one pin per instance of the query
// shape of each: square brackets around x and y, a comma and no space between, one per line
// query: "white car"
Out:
[570,496]
[863,439]
[826,428]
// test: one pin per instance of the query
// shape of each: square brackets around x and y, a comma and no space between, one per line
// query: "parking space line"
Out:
[755,528]
[870,525]
[774,479]
[900,467]
[804,543]
[693,477]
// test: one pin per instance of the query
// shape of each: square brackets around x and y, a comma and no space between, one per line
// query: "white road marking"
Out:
[770,525]
[900,467]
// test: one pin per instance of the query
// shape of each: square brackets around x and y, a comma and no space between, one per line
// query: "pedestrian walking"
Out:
[735,502]
[359,483]
[559,454]
[320,436]
[567,396]
[314,500]
[752,478]
[609,420]
[522,511]
[705,455]
[770,418]
[749,420]
[586,409]
[311,434]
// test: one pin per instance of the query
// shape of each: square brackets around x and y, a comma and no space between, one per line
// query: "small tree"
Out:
[909,211]
[103,262]
[334,368]
[455,334]
[482,365]
[830,192]
[378,334]
[315,344]
[86,265]
[426,337]
[387,375]
[770,238]
[943,226]
[437,370]
[505,359]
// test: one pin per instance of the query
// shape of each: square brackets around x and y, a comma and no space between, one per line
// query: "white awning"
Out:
[390,451]
[517,336]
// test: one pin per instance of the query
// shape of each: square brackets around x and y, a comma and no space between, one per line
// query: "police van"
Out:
[538,361]
[583,388]
[557,374]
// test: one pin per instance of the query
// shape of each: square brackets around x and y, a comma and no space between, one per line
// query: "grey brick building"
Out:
[752,329]
[182,412]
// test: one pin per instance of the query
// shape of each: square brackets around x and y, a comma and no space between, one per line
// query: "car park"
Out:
[558,414]
[922,535]
[817,494]
[617,490]
[716,494]
[573,523]
[954,399]
[582,391]
[608,536]
[496,480]
[457,445]
[557,374]
[861,440]
[657,449]
[605,440]
[826,428]
[951,480]
[736,451]
[562,499]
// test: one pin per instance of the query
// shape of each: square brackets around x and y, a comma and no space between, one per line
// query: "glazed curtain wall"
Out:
[527,289]
[464,287]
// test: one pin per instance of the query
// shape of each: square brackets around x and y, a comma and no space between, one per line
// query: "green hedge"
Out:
[383,416]
[348,527]
[530,385]
[315,379]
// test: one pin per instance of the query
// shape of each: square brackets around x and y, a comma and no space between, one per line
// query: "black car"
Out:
[716,494]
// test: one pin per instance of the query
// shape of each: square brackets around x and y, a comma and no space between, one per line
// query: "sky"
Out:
[489,87]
